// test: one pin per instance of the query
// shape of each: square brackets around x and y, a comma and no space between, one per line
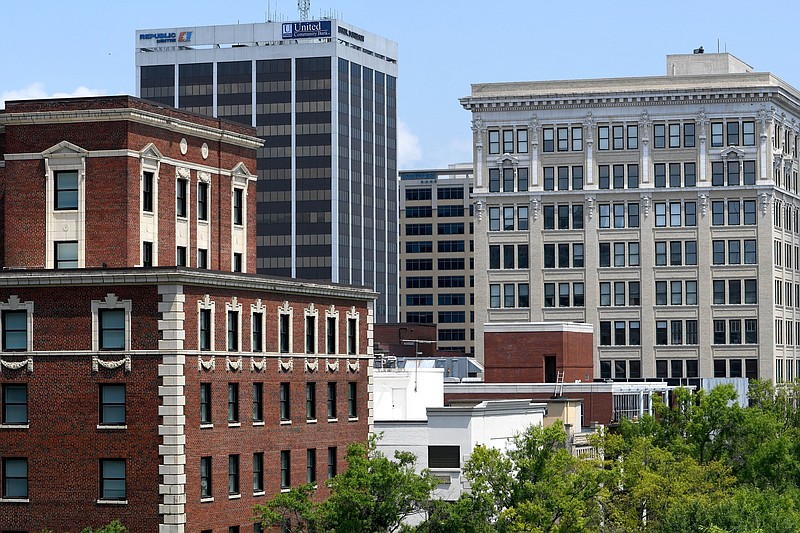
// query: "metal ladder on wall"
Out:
[559,388]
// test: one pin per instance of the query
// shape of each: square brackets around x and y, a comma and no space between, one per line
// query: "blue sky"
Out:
[87,47]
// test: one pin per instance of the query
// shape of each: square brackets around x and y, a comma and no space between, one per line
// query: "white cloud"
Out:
[36,91]
[409,150]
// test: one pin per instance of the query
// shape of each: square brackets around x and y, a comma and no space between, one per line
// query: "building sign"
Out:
[303,30]
[351,34]
[167,37]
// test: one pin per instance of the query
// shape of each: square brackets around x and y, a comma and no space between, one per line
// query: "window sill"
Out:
[112,427]
[285,489]
[352,419]
[332,420]
[206,426]
[15,426]
[286,422]
[234,424]
[112,502]
[259,493]
[15,500]
[258,423]
[311,420]
[207,499]
[234,496]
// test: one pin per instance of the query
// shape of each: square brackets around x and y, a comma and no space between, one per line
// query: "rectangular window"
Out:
[691,292]
[311,401]
[734,331]
[66,190]
[147,192]
[112,404]
[577,216]
[549,294]
[661,214]
[717,173]
[605,333]
[619,293]
[283,332]
[602,137]
[15,478]
[494,181]
[718,213]
[577,139]
[577,255]
[331,462]
[202,258]
[676,293]
[733,173]
[548,139]
[112,479]
[523,295]
[352,399]
[563,178]
[605,293]
[508,219]
[233,475]
[331,400]
[603,176]
[286,469]
[549,179]
[258,472]
[311,465]
[675,249]
[205,403]
[563,256]
[718,248]
[563,294]
[733,133]
[15,331]
[180,256]
[674,135]
[522,218]
[522,256]
[330,335]
[181,187]
[719,332]
[751,291]
[605,215]
[619,215]
[508,141]
[285,405]
[675,214]
[66,254]
[661,293]
[716,134]
[749,133]
[257,327]
[751,331]
[688,135]
[112,329]
[619,333]
[689,175]
[352,340]
[634,297]
[634,334]
[619,254]
[633,137]
[444,457]
[311,334]
[633,176]
[258,402]
[674,174]
[205,477]
[563,139]
[633,254]
[205,329]
[691,332]
[508,256]
[661,253]
[676,332]
[233,403]
[202,201]
[718,292]
[494,296]
[233,331]
[237,262]
[522,142]
[604,254]
[15,403]
[617,133]
[661,332]
[508,186]
[659,136]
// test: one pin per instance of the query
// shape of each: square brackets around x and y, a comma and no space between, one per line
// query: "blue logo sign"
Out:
[167,37]
[304,30]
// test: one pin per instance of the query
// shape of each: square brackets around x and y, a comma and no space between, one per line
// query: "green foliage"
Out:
[114,527]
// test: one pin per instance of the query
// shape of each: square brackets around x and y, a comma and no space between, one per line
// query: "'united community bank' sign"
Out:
[300,30]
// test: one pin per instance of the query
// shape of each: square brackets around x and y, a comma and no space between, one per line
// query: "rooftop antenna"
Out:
[303,7]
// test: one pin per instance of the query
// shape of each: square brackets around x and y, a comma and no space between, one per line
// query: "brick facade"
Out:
[159,358]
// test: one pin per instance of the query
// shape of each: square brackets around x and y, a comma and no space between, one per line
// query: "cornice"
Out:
[176,125]
[178,276]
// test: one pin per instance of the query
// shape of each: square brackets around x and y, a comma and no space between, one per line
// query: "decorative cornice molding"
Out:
[208,366]
[26,363]
[111,365]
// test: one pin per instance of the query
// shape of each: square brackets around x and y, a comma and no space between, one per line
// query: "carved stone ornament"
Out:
[590,207]
[479,210]
[353,368]
[111,365]
[258,366]
[311,365]
[702,118]
[645,205]
[477,125]
[535,203]
[208,366]
[288,366]
[703,204]
[762,115]
[233,366]
[533,124]
[26,363]
[765,201]
[331,367]
[644,123]
[588,123]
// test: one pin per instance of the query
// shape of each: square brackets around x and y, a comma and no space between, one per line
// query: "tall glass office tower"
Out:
[323,96]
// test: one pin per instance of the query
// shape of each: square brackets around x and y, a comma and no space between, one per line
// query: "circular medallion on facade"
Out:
[184,146]
[204,151]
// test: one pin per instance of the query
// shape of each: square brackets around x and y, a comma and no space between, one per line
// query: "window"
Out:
[258,402]
[661,332]
[748,133]
[233,331]
[180,256]
[617,136]
[352,399]
[66,254]
[523,295]
[202,201]
[258,472]
[15,330]
[257,327]
[112,329]
[633,137]
[180,198]
[233,403]
[202,258]
[15,403]
[311,465]
[691,333]
[331,400]
[205,403]
[238,207]
[66,190]
[508,295]
[311,334]
[147,192]
[352,336]
[563,139]
[444,457]
[285,405]
[330,335]
[719,332]
[112,479]
[205,329]
[659,135]
[522,141]
[331,462]
[633,254]
[233,475]
[112,405]
[548,139]
[688,135]
[716,134]
[311,401]
[205,477]
[237,262]
[733,133]
[283,333]
[577,139]
[286,464]
[602,137]
[634,293]
[15,478]
[674,136]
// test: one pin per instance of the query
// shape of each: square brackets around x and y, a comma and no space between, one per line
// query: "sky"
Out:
[83,47]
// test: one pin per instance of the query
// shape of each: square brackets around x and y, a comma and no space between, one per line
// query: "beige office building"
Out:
[663,210]
[436,254]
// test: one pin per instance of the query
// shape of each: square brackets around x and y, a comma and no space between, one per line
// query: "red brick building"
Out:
[146,374]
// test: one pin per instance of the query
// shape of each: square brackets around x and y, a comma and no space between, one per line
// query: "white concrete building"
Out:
[663,210]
